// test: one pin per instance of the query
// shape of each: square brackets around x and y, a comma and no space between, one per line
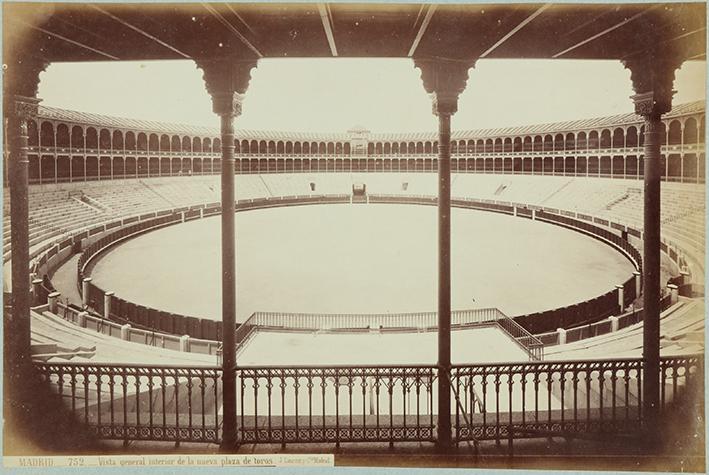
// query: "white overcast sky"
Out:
[332,95]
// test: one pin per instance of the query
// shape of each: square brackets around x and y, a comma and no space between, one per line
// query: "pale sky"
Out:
[332,95]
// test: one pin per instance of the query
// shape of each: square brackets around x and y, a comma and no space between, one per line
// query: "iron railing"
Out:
[146,402]
[335,404]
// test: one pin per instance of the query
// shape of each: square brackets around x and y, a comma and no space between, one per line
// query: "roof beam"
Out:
[241,19]
[587,22]
[142,32]
[516,29]
[598,35]
[326,18]
[422,29]
[232,28]
[676,38]
[68,40]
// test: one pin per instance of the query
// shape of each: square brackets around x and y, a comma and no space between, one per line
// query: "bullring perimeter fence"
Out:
[608,304]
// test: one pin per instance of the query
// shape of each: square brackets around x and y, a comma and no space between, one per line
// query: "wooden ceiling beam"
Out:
[326,18]
[140,31]
[514,30]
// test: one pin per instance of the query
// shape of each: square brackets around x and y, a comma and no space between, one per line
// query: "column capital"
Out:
[652,76]
[228,103]
[20,85]
[21,75]
[444,80]
[226,80]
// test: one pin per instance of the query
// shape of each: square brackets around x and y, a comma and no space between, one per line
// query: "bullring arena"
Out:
[340,346]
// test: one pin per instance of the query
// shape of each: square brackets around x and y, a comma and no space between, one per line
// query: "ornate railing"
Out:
[512,400]
[129,402]
[334,404]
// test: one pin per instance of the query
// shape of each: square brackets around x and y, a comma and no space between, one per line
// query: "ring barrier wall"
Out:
[155,323]
[153,320]
[573,315]
[156,320]
[136,335]
[598,328]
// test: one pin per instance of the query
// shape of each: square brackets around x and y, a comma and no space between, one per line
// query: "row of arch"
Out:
[63,168]
[677,131]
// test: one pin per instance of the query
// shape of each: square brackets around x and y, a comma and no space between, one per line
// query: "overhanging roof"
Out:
[149,126]
[96,32]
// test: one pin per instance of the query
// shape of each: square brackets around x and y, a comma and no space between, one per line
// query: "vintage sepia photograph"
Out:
[436,235]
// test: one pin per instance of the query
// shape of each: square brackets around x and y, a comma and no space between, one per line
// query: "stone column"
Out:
[20,84]
[227,81]
[444,80]
[652,76]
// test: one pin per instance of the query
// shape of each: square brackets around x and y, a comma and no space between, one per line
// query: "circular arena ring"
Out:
[121,309]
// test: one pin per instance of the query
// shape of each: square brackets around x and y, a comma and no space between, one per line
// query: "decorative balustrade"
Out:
[145,402]
[334,404]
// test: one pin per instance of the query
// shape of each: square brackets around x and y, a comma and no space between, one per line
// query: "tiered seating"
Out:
[681,330]
[44,347]
[285,185]
[49,329]
[324,185]
[247,187]
[58,209]
[131,197]
[587,195]
[478,186]
[682,217]
[398,183]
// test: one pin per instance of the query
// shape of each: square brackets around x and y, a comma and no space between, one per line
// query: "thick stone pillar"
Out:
[17,323]
[444,80]
[20,84]
[227,81]
[652,76]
